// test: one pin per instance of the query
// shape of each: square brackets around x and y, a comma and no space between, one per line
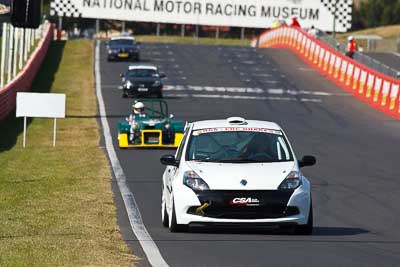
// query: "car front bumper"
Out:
[123,140]
[123,56]
[135,90]
[274,208]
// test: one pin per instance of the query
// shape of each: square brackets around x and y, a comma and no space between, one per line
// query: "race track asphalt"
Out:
[355,184]
[389,59]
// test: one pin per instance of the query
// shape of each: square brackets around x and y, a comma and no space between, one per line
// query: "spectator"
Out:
[295,22]
[312,31]
[276,24]
[351,47]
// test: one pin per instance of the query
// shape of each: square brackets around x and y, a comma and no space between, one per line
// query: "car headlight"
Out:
[292,181]
[110,51]
[193,181]
[157,83]
[128,84]
[136,126]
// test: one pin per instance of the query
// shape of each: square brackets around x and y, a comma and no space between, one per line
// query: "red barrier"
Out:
[378,90]
[23,81]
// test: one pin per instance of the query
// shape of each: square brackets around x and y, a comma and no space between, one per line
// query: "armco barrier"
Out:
[23,81]
[378,90]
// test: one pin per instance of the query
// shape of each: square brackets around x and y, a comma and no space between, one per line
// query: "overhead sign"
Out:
[40,105]
[237,13]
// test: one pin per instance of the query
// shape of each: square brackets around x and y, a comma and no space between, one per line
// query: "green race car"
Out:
[150,125]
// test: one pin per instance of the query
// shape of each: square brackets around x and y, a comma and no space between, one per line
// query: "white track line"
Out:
[396,54]
[135,218]
[243,97]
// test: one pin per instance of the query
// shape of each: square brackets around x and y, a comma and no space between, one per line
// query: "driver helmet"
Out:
[138,108]
[351,37]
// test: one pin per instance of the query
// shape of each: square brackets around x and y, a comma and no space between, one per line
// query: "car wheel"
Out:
[174,227]
[164,214]
[306,229]
[160,95]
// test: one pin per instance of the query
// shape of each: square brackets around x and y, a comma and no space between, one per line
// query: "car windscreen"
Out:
[142,73]
[155,108]
[121,42]
[238,146]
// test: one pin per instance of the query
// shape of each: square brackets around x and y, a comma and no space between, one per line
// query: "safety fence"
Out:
[23,80]
[361,56]
[377,89]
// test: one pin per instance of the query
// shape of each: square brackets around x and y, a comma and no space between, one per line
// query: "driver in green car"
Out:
[138,112]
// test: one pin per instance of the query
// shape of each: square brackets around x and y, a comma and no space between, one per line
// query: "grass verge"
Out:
[390,31]
[192,40]
[56,204]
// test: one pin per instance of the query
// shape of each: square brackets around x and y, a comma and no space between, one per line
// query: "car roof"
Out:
[197,125]
[123,38]
[142,66]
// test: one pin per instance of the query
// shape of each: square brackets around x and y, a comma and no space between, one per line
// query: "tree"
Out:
[374,13]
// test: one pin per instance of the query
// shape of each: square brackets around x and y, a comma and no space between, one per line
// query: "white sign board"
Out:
[41,105]
[237,13]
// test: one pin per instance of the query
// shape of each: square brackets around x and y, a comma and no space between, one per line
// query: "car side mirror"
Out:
[121,75]
[169,160]
[162,75]
[307,161]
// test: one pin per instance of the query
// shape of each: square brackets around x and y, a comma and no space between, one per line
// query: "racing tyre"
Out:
[164,213]
[305,229]
[160,95]
[173,226]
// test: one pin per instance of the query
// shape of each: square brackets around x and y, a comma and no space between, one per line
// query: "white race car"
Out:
[236,172]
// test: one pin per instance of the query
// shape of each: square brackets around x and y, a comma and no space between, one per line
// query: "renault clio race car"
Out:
[153,127]
[236,172]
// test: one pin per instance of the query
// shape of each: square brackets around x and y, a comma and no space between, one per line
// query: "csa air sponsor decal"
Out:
[245,201]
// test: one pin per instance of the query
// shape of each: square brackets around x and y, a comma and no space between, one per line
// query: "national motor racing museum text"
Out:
[205,8]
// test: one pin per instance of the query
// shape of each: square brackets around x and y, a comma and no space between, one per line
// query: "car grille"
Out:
[272,204]
[152,138]
[245,212]
[144,84]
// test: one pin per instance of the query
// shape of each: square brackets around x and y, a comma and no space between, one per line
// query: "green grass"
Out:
[390,31]
[192,40]
[56,204]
